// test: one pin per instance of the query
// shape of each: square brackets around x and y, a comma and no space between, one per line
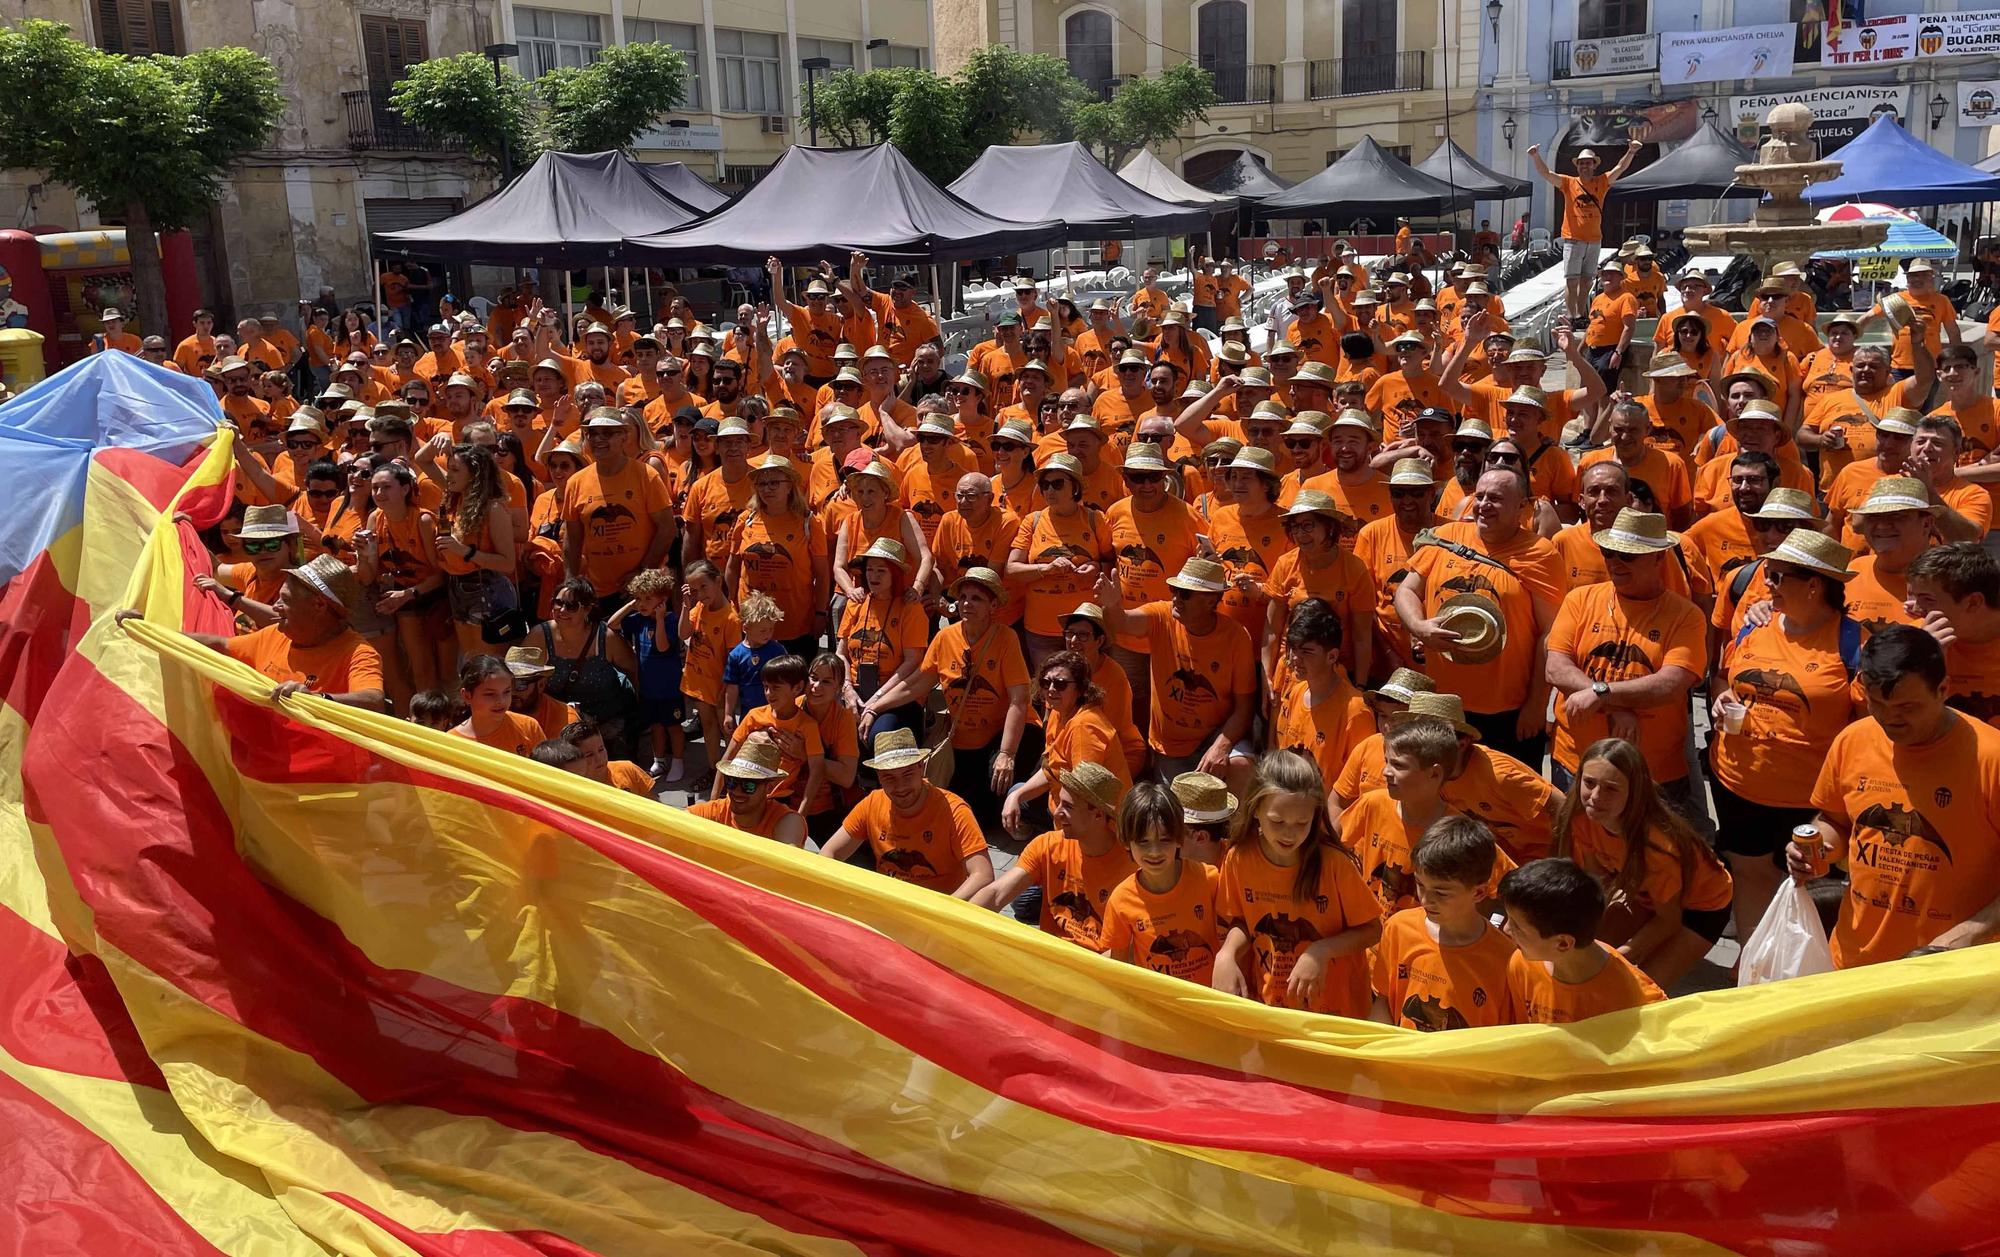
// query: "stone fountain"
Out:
[1782,227]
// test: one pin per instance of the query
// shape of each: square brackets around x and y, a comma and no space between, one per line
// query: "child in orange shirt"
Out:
[1293,899]
[435,709]
[1561,973]
[488,690]
[1381,829]
[1163,916]
[784,720]
[709,629]
[1441,966]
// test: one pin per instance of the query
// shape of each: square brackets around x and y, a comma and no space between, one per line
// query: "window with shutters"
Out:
[549,39]
[138,28]
[1609,19]
[839,53]
[389,47]
[685,36]
[751,68]
[900,57]
[1087,46]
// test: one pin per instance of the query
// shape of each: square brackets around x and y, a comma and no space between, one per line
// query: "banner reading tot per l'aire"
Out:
[297,978]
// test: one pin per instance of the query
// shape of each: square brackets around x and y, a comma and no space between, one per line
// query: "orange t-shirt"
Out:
[1325,732]
[1972,678]
[839,738]
[1516,802]
[1117,704]
[1374,832]
[1316,338]
[1252,544]
[1151,546]
[1366,500]
[1679,425]
[1396,400]
[800,722]
[1429,986]
[1924,847]
[714,634]
[1583,206]
[880,630]
[1722,540]
[1043,536]
[1539,998]
[614,518]
[400,556]
[1173,932]
[1665,473]
[1256,897]
[1703,885]
[958,547]
[1384,548]
[1607,318]
[1085,735]
[1876,598]
[515,733]
[927,491]
[1342,584]
[1799,697]
[1583,562]
[1620,639]
[1075,887]
[340,665]
[1501,683]
[1196,680]
[975,682]
[723,812]
[928,848]
[778,556]
[718,504]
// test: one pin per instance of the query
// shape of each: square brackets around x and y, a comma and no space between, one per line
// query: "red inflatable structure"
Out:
[58,282]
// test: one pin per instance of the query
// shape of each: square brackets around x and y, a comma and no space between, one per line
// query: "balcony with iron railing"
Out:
[374,125]
[1365,74]
[1240,84]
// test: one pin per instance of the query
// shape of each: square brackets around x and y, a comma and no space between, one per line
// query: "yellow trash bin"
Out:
[20,357]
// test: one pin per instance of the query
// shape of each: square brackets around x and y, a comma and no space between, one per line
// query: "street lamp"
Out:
[1708,113]
[1507,130]
[496,53]
[1939,106]
[1493,8]
[814,66]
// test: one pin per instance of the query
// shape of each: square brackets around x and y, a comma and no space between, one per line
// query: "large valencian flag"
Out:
[301,979]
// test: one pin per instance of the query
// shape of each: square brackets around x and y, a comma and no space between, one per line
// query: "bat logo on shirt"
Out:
[726,520]
[1078,906]
[867,637]
[767,550]
[1898,824]
[1617,659]
[1872,627]
[1178,945]
[1242,556]
[1287,934]
[1763,683]
[904,862]
[1469,583]
[1982,707]
[1190,686]
[1396,884]
[402,567]
[928,509]
[1140,554]
[1427,1014]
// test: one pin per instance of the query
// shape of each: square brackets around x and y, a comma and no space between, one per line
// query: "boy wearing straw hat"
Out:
[748,778]
[1077,864]
[920,833]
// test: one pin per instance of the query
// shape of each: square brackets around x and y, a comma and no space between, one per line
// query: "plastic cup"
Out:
[1732,715]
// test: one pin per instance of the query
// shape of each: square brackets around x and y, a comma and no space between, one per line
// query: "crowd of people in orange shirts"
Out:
[1290,667]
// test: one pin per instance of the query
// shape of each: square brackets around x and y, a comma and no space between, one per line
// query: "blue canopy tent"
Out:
[1886,163]
[1907,238]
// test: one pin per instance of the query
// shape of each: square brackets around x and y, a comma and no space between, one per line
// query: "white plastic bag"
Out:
[1787,943]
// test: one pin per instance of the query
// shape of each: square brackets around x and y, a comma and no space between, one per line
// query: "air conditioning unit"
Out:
[776,124]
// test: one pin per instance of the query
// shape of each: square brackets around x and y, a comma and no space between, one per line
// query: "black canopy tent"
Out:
[1367,182]
[566,210]
[1703,165]
[1453,165]
[1032,182]
[1247,177]
[684,185]
[820,204]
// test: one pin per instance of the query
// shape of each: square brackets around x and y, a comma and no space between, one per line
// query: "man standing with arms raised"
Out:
[1583,220]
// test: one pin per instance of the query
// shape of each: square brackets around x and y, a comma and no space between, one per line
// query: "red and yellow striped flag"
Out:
[301,978]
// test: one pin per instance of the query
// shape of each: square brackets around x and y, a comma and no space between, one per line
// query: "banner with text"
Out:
[1839,113]
[1874,42]
[1975,34]
[1736,52]
[1979,103]
[1626,54]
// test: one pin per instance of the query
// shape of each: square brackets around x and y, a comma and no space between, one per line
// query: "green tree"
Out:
[608,103]
[1144,111]
[148,139]
[927,125]
[1009,95]
[854,108]
[461,101]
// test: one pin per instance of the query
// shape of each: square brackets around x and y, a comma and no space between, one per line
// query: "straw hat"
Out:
[1758,408]
[1409,338]
[1253,377]
[1255,458]
[986,578]
[757,759]
[1635,532]
[528,662]
[1204,800]
[1316,373]
[1353,417]
[1063,464]
[887,549]
[1133,358]
[1813,550]
[862,461]
[1015,430]
[332,580]
[303,422]
[1668,365]
[1085,424]
[1473,430]
[1309,423]
[1145,457]
[896,748]
[778,462]
[1221,447]
[606,417]
[1894,493]
[1200,576]
[1524,356]
[521,398]
[460,379]
[1449,708]
[260,523]
[972,380]
[1481,629]
[1034,364]
[1088,611]
[1094,784]
[1271,409]
[1895,307]
[1528,395]
[847,375]
[1786,504]
[1411,473]
[731,425]
[1899,420]
[573,450]
[1761,379]
[1402,684]
[935,424]
[1317,502]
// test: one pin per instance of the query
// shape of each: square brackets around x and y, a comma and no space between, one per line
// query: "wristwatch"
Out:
[1599,688]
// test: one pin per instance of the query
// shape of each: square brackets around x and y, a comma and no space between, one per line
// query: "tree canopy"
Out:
[586,109]
[145,139]
[943,123]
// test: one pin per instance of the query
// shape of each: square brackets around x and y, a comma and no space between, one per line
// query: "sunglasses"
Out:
[1301,444]
[318,494]
[566,604]
[303,443]
[1503,459]
[1004,448]
[1774,525]
[1056,683]
[383,446]
[271,546]
[1146,477]
[1052,482]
